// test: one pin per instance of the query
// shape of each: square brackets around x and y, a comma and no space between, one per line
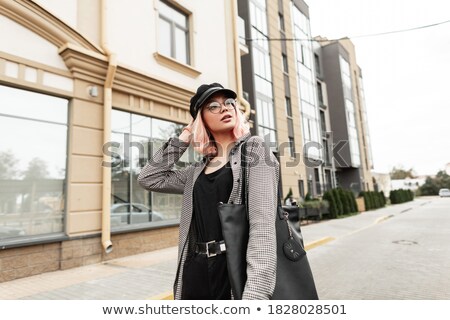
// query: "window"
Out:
[291,147]
[33,154]
[317,63]
[301,188]
[329,184]
[326,153]
[173,28]
[266,119]
[136,138]
[290,123]
[285,63]
[281,21]
[320,93]
[288,107]
[322,121]
[317,181]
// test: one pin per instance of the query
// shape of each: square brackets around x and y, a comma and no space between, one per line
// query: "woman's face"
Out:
[219,113]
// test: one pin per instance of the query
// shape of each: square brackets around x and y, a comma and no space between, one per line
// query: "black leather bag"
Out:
[294,277]
[294,280]
[235,230]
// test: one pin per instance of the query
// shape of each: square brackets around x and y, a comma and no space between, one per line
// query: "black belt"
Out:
[211,248]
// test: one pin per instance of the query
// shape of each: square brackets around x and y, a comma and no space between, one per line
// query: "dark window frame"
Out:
[173,27]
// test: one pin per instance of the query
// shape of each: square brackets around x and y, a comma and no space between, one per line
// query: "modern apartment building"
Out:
[279,78]
[346,102]
[328,167]
[88,90]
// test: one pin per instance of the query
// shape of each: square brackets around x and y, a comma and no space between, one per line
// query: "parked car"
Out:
[131,213]
[444,193]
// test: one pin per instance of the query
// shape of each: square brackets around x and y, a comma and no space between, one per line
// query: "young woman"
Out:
[218,130]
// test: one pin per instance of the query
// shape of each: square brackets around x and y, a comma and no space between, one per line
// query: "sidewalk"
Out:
[151,275]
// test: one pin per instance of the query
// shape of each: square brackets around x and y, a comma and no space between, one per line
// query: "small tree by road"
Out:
[432,185]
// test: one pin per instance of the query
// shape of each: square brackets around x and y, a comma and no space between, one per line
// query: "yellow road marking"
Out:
[317,243]
[163,296]
[383,218]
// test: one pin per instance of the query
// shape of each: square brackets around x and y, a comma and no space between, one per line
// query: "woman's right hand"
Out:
[186,134]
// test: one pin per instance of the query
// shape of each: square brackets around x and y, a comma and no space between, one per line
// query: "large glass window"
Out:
[137,138]
[33,153]
[263,73]
[173,28]
[306,83]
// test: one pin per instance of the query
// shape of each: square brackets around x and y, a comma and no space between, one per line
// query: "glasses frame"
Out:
[216,109]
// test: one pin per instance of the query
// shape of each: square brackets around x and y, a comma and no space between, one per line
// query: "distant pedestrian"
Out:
[217,131]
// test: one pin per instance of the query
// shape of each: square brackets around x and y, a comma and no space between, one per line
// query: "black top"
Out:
[209,190]
[207,278]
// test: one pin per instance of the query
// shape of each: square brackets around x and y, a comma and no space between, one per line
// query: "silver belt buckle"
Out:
[207,250]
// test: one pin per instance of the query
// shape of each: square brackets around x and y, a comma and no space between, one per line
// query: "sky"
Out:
[406,75]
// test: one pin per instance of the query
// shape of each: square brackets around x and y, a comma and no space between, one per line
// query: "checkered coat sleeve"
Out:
[158,175]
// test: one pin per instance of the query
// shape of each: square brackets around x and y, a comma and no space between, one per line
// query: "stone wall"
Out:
[27,261]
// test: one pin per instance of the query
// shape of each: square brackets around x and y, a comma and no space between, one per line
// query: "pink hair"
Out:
[203,140]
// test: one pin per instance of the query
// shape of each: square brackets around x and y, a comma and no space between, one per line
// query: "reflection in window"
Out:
[33,152]
[137,139]
[173,40]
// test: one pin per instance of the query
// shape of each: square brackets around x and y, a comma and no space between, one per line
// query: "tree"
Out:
[8,163]
[288,195]
[400,173]
[37,169]
[432,185]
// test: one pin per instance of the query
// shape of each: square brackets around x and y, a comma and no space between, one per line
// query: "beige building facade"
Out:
[88,91]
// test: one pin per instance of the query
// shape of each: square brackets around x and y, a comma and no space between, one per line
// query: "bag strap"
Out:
[282,215]
[244,192]
[244,170]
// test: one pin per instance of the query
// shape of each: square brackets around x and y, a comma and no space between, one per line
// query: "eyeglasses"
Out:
[216,107]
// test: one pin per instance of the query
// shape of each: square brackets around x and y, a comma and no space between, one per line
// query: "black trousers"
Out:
[206,278]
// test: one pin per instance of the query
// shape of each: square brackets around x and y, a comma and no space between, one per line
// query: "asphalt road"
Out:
[404,257]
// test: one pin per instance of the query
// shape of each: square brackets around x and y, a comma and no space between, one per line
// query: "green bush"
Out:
[333,209]
[337,198]
[317,204]
[366,200]
[340,202]
[401,196]
[345,203]
[352,201]
[373,200]
[383,198]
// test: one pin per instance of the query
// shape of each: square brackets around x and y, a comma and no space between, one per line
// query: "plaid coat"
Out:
[263,175]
